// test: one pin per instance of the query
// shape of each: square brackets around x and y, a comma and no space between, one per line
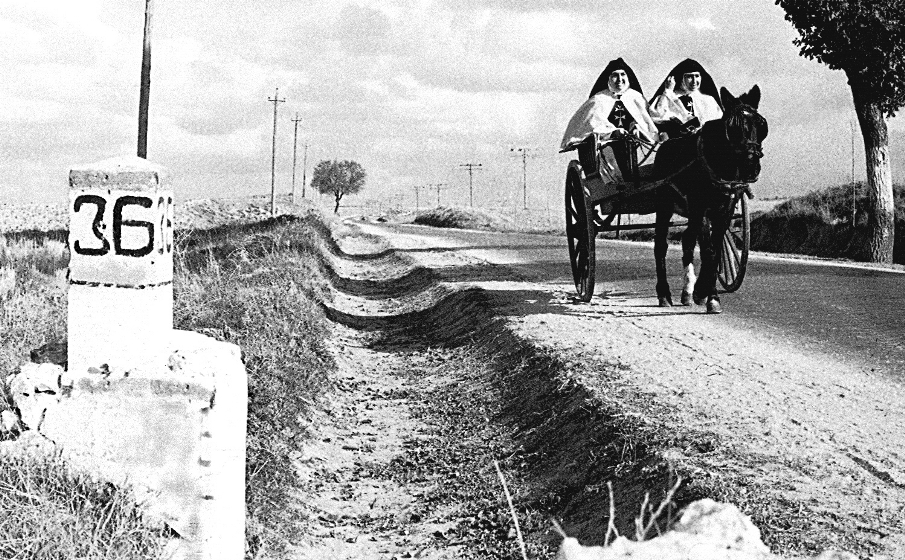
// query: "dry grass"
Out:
[49,512]
[258,288]
[32,302]
[525,221]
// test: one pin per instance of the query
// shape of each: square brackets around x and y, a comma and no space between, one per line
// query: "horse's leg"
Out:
[706,287]
[706,284]
[661,229]
[689,239]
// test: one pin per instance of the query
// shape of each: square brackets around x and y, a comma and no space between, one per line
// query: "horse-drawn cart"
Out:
[601,186]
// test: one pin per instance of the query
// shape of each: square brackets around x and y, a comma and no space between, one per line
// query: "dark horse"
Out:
[708,169]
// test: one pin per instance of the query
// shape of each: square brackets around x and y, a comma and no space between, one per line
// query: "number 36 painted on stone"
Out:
[131,237]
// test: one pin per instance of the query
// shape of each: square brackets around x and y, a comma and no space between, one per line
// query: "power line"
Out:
[273,158]
[471,167]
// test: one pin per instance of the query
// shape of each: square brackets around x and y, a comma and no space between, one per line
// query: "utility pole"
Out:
[304,169]
[471,167]
[417,200]
[524,152]
[273,158]
[144,95]
[295,135]
[439,186]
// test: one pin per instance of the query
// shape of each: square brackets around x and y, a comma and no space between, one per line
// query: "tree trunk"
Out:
[881,218]
[338,197]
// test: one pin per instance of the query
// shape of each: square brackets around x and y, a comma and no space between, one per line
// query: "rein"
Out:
[710,172]
[750,147]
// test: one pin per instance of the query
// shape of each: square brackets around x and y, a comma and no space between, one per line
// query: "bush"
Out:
[820,224]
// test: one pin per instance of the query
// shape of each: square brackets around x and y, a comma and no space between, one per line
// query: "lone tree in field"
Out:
[865,39]
[338,178]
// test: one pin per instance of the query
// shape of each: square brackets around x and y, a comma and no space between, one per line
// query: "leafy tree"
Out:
[338,178]
[864,39]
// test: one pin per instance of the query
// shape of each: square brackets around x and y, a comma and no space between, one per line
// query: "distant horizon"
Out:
[411,90]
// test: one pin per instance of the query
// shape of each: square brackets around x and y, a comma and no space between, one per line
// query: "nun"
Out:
[686,99]
[616,107]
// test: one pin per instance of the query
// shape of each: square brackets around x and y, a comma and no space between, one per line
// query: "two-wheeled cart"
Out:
[599,190]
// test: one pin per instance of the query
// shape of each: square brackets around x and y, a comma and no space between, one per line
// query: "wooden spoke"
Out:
[736,241]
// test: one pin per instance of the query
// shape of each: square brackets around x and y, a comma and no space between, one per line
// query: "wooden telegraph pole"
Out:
[273,158]
[295,136]
[471,167]
[145,92]
[439,186]
[524,152]
[304,168]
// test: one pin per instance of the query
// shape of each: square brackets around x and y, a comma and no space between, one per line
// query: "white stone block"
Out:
[121,265]
[121,224]
[123,328]
[175,434]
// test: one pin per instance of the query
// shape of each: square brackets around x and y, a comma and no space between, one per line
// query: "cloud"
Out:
[363,30]
[702,24]
[407,87]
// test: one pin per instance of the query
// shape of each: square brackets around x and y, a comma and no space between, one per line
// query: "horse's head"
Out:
[745,130]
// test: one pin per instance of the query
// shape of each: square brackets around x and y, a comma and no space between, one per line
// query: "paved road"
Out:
[847,312]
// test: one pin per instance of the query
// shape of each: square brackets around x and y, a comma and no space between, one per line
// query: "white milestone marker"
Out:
[121,266]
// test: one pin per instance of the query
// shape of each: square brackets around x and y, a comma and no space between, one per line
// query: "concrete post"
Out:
[143,405]
[121,266]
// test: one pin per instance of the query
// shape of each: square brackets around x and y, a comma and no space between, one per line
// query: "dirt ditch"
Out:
[433,388]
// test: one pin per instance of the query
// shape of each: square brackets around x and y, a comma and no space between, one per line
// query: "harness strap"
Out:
[710,172]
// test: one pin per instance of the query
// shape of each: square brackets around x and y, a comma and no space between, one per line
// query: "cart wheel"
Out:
[736,242]
[581,233]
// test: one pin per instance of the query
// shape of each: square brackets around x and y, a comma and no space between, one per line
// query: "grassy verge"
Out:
[257,287]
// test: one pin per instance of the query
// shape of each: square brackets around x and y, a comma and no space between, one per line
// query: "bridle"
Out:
[750,122]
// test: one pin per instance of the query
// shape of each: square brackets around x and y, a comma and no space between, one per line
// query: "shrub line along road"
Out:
[800,380]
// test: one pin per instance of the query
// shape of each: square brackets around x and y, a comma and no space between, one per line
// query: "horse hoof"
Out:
[714,307]
[699,300]
[665,302]
[686,298]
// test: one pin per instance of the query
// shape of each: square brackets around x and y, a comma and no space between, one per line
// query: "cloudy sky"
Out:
[411,89]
